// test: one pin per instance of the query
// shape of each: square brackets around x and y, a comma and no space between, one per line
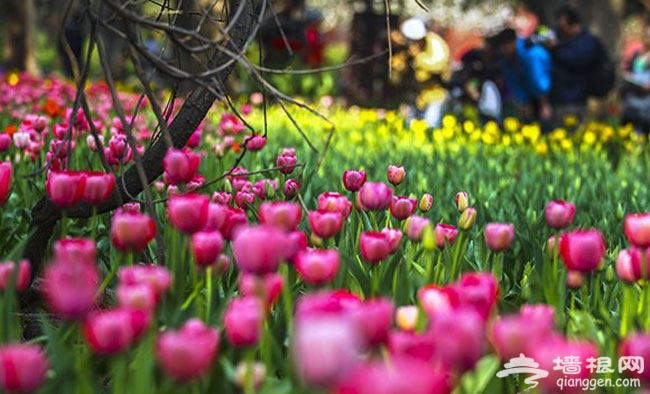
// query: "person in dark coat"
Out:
[576,55]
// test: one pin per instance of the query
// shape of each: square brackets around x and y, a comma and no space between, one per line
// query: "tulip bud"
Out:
[498,236]
[131,231]
[402,207]
[5,181]
[353,180]
[559,214]
[396,174]
[335,202]
[426,202]
[551,244]
[467,218]
[291,188]
[407,317]
[139,297]
[188,212]
[374,246]
[154,276]
[255,143]
[317,267]
[415,226]
[206,247]
[582,250]
[287,163]
[428,238]
[246,372]
[462,201]
[181,165]
[325,224]
[574,279]
[113,331]
[637,229]
[7,270]
[266,288]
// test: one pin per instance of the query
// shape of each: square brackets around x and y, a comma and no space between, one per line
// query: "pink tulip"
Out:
[374,319]
[637,229]
[222,198]
[375,196]
[335,202]
[401,375]
[434,299]
[260,249]
[325,224]
[396,174]
[412,345]
[188,353]
[445,234]
[243,321]
[640,263]
[180,165]
[637,345]
[559,214]
[287,162]
[296,242]
[140,297]
[459,339]
[23,367]
[415,226]
[98,187]
[401,207]
[510,334]
[353,179]
[7,270]
[291,188]
[70,288]
[394,237]
[206,247]
[478,291]
[541,313]
[131,231]
[338,303]
[284,215]
[113,331]
[324,349]
[157,277]
[234,221]
[216,216]
[624,266]
[5,181]
[499,236]
[75,249]
[265,188]
[267,288]
[5,142]
[374,246]
[65,188]
[244,199]
[188,212]
[582,250]
[316,266]
[255,143]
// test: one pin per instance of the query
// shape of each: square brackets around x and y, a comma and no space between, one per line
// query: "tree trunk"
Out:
[18,51]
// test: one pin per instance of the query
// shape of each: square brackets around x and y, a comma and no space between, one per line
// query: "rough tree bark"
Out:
[45,214]
[18,51]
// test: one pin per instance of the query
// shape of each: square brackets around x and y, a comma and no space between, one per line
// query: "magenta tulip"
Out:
[415,226]
[5,181]
[559,214]
[8,269]
[243,321]
[266,288]
[637,229]
[316,266]
[206,247]
[131,231]
[401,207]
[70,288]
[499,236]
[65,188]
[325,224]
[180,165]
[353,179]
[75,249]
[374,246]
[284,215]
[374,320]
[394,237]
[155,276]
[260,249]
[445,234]
[335,202]
[188,212]
[637,345]
[98,187]
[375,196]
[582,250]
[113,331]
[396,174]
[23,367]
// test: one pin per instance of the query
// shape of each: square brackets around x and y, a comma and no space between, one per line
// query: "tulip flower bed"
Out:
[364,257]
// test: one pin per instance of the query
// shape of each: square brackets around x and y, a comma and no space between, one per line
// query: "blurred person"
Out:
[636,90]
[527,71]
[579,62]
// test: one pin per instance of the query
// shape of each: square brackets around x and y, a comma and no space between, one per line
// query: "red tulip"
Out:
[260,249]
[582,250]
[267,287]
[5,181]
[374,319]
[157,277]
[445,234]
[206,247]
[7,270]
[325,224]
[375,196]
[23,367]
[188,212]
[284,215]
[98,187]
[394,237]
[65,188]
[559,214]
[374,246]
[499,236]
[75,249]
[353,179]
[637,345]
[70,288]
[188,353]
[396,174]
[180,165]
[637,229]
[316,266]
[131,231]
[459,339]
[113,331]
[335,202]
[401,207]
[243,321]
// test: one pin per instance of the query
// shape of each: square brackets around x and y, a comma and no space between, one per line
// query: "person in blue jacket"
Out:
[527,74]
